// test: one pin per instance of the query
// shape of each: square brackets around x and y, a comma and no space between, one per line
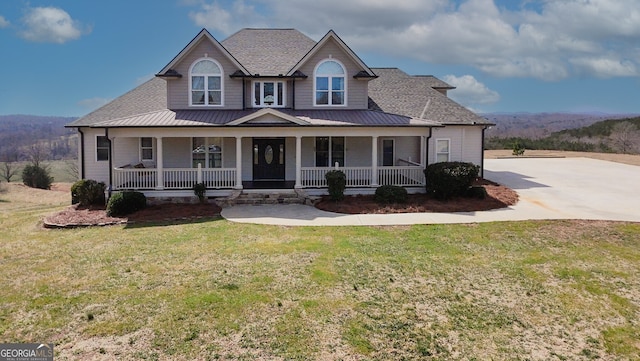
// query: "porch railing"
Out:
[173,178]
[313,177]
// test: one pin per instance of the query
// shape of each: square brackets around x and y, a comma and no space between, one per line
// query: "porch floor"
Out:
[268,184]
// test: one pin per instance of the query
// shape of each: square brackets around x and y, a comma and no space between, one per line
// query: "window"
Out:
[102,148]
[442,150]
[330,86]
[207,152]
[146,148]
[388,157]
[206,83]
[268,93]
[329,150]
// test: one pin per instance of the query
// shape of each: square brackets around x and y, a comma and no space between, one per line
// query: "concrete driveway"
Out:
[549,188]
[570,188]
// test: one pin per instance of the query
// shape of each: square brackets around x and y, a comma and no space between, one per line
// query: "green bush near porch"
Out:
[450,179]
[337,183]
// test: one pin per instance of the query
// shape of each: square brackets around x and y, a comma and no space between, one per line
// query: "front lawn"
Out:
[541,290]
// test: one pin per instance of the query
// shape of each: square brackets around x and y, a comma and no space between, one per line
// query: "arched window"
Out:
[330,85]
[206,83]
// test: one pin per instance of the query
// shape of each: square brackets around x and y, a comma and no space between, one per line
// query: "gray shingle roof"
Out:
[395,91]
[148,97]
[268,51]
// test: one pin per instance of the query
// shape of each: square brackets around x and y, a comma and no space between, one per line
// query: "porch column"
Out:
[423,161]
[374,161]
[238,163]
[159,164]
[298,162]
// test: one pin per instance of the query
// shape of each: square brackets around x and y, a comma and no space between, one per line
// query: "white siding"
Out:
[98,171]
[177,152]
[465,143]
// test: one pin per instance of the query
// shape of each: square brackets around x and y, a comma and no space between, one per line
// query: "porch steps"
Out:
[265,196]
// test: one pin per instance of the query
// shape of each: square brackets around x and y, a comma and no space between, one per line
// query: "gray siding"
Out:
[357,97]
[465,143]
[98,171]
[178,89]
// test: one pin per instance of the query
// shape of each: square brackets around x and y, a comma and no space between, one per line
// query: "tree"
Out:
[36,154]
[8,170]
[625,137]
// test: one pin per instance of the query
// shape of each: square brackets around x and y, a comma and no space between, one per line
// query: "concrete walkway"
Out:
[549,188]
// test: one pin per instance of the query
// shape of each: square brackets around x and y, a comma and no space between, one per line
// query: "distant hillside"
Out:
[539,125]
[611,135]
[18,133]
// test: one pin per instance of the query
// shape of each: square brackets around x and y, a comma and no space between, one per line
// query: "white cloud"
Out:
[51,25]
[4,22]
[548,40]
[93,103]
[469,91]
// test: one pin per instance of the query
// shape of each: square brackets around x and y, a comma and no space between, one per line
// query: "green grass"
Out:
[560,290]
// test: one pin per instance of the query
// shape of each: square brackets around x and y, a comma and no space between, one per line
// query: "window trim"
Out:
[393,160]
[152,148]
[206,98]
[275,84]
[107,148]
[331,76]
[448,153]
[331,163]
[207,153]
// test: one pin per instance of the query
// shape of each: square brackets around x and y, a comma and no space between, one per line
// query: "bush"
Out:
[199,189]
[449,179]
[337,183]
[478,192]
[391,194]
[36,177]
[87,192]
[123,203]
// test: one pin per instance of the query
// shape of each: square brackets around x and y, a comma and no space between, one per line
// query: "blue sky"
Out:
[67,57]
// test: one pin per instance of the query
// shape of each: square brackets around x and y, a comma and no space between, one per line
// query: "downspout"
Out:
[293,93]
[482,154]
[81,155]
[106,134]
[426,163]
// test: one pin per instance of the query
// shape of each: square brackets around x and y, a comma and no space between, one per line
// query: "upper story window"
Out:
[330,85]
[206,83]
[269,94]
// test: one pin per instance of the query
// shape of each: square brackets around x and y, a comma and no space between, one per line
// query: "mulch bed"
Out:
[74,216]
[498,196]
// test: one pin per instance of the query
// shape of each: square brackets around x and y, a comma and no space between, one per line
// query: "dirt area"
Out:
[631,159]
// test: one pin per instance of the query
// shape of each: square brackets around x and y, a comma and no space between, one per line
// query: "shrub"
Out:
[199,189]
[35,176]
[87,192]
[478,192]
[449,179]
[123,203]
[337,183]
[391,194]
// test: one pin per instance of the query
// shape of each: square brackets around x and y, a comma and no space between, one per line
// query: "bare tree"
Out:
[36,154]
[71,167]
[9,164]
[625,137]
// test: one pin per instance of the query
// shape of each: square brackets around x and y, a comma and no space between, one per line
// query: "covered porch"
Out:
[274,159]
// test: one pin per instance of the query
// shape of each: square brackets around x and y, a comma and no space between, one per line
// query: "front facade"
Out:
[271,108]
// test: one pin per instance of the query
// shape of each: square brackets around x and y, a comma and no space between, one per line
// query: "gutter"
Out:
[106,134]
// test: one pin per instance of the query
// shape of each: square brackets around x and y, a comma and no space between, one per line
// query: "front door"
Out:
[268,159]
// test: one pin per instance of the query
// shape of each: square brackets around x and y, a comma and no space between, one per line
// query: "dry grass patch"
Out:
[544,290]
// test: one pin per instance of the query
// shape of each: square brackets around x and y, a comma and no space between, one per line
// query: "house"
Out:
[272,108]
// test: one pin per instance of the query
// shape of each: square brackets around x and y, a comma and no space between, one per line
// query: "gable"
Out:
[268,116]
[204,38]
[332,46]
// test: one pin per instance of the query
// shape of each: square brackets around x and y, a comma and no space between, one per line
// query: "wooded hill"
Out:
[608,136]
[20,134]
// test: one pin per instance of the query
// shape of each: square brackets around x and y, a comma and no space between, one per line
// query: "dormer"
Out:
[199,76]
